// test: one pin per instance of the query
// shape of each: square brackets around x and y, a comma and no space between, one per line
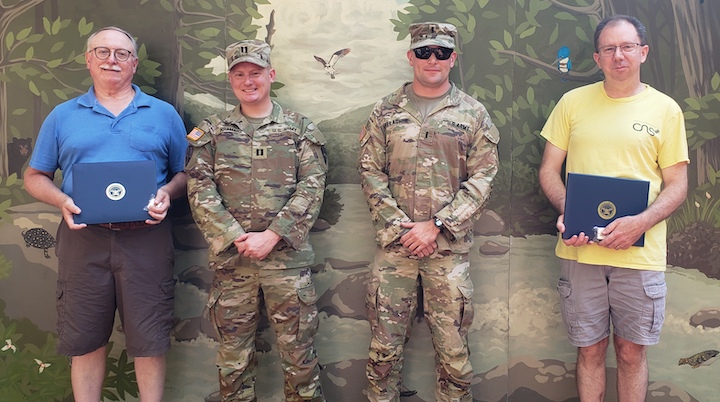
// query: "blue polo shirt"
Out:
[82,130]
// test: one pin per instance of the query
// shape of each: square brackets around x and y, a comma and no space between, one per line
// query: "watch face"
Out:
[438,222]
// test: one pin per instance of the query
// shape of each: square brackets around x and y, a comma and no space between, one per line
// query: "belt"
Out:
[124,225]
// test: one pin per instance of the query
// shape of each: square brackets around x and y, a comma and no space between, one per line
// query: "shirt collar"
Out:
[89,99]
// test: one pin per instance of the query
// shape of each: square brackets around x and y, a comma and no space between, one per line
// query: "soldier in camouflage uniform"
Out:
[428,154]
[257,176]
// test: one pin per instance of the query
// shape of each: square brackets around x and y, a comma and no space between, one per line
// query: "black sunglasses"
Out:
[441,53]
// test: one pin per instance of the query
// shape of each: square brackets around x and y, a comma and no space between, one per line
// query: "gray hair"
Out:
[615,19]
[122,31]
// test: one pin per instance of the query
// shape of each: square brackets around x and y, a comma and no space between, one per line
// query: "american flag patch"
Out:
[195,134]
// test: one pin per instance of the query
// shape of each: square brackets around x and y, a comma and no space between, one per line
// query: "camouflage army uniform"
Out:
[413,171]
[245,180]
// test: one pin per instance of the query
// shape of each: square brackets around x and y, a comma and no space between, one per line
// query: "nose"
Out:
[112,57]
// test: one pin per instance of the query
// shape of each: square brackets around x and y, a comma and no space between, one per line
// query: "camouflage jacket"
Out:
[245,180]
[414,170]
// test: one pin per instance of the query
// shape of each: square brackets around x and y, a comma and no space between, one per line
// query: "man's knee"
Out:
[594,352]
[629,353]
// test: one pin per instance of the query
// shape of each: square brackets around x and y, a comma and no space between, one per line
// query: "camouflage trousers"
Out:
[391,303]
[290,297]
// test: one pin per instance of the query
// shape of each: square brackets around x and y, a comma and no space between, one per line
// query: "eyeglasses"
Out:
[103,53]
[441,53]
[626,48]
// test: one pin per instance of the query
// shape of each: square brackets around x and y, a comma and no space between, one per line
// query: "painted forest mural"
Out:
[518,57]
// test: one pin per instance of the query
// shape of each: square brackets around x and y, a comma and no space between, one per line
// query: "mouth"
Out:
[111,68]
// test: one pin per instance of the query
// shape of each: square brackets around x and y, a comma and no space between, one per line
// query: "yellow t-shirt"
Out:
[631,138]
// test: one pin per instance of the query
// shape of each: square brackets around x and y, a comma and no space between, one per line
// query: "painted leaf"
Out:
[715,81]
[84,27]
[24,33]
[9,40]
[57,46]
[581,34]
[33,88]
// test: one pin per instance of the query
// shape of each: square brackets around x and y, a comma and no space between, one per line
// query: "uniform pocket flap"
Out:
[307,295]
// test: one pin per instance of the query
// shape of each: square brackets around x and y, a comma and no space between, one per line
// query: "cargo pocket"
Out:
[467,311]
[564,290]
[165,308]
[657,293]
[168,291]
[210,312]
[308,315]
[60,306]
[371,302]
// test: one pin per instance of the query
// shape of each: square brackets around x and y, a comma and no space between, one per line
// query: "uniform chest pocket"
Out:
[427,135]
[444,143]
[233,151]
[275,153]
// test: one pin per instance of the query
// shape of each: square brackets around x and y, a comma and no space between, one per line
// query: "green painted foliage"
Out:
[702,118]
[512,70]
[120,379]
[699,207]
[29,371]
[204,29]
[11,193]
[5,267]
[53,64]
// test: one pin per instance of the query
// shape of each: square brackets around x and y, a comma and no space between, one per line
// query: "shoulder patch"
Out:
[195,134]
[314,135]
[493,134]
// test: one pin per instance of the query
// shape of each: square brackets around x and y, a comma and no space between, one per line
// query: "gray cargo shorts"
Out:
[592,297]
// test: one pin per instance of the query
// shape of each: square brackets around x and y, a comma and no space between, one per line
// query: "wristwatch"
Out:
[438,223]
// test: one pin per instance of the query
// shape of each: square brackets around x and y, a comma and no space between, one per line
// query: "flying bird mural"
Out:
[329,66]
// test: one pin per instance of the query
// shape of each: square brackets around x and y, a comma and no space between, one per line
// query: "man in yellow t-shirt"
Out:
[619,127]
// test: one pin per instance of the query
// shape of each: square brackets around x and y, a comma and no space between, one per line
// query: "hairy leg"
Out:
[632,371]
[150,374]
[591,371]
[87,373]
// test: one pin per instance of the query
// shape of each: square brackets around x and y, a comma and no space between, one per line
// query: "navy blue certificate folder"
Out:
[111,192]
[598,200]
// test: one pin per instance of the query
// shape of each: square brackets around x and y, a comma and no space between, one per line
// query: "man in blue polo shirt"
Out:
[125,266]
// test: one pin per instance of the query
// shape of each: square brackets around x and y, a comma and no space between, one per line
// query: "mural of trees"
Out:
[524,54]
[203,29]
[34,55]
[44,52]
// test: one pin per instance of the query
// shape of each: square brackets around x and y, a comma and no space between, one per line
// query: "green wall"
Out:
[508,60]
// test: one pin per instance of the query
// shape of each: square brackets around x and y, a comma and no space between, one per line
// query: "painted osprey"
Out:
[329,66]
